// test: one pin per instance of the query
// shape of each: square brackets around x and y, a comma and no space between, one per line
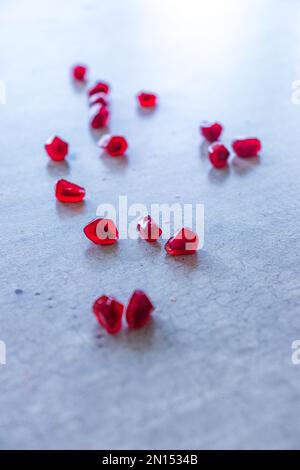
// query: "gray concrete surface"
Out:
[214,369]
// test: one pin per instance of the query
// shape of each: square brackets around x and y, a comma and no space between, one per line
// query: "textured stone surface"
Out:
[214,369]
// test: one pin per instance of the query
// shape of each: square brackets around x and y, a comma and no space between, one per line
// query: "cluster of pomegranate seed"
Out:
[102,231]
[98,102]
[109,312]
[219,154]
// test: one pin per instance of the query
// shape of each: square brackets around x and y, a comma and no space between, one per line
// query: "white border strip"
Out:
[2,353]
[2,92]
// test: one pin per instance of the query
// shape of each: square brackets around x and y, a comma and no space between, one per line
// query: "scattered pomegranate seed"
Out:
[56,148]
[211,131]
[99,116]
[101,231]
[65,191]
[147,100]
[99,87]
[108,312]
[246,148]
[115,145]
[139,310]
[184,242]
[98,98]
[79,72]
[148,229]
[218,155]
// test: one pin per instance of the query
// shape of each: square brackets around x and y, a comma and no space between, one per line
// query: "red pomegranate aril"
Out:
[101,231]
[65,191]
[109,312]
[147,100]
[79,72]
[148,229]
[115,145]
[246,148]
[218,155]
[99,116]
[139,309]
[99,87]
[98,98]
[184,242]
[56,148]
[211,131]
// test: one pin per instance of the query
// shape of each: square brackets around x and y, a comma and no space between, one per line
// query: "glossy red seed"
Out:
[56,148]
[139,309]
[79,72]
[218,155]
[108,312]
[246,148]
[99,87]
[148,229]
[211,131]
[115,145]
[101,231]
[98,98]
[147,100]
[65,191]
[99,116]
[184,242]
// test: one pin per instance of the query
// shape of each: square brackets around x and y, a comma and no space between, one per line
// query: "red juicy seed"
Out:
[139,310]
[99,116]
[246,148]
[65,191]
[211,131]
[115,146]
[101,231]
[99,87]
[218,155]
[184,242]
[108,312]
[79,72]
[56,148]
[148,229]
[98,98]
[147,100]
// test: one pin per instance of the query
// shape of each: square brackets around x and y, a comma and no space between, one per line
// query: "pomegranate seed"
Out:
[79,72]
[147,100]
[115,146]
[108,312]
[99,87]
[246,148]
[98,98]
[184,242]
[148,229]
[56,148]
[218,155]
[101,231]
[65,191]
[99,116]
[139,310]
[211,131]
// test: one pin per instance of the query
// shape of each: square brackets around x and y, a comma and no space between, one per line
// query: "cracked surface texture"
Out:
[213,370]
